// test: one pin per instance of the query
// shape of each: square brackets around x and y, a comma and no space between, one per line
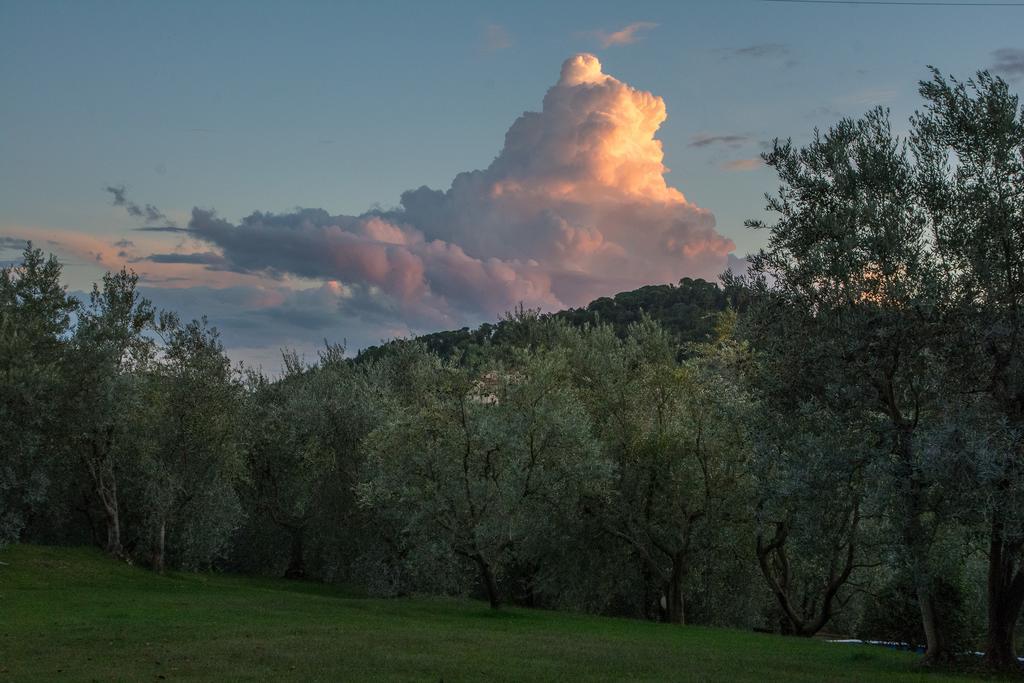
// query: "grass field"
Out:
[73,614]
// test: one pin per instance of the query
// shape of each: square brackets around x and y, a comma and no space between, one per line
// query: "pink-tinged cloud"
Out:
[496,37]
[580,189]
[371,252]
[752,164]
[575,206]
[146,254]
[625,35]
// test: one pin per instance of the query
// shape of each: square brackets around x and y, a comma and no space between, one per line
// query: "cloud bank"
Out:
[574,206]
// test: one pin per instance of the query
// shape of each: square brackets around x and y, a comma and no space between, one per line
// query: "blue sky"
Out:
[269,106]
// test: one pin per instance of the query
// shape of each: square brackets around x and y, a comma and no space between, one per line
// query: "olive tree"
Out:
[303,439]
[815,510]
[849,293]
[473,458]
[35,318]
[969,146]
[191,459]
[673,437]
[109,344]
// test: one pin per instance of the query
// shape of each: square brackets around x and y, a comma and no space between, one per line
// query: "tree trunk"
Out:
[937,650]
[651,609]
[914,538]
[114,546]
[297,559]
[1000,653]
[1005,598]
[158,548]
[674,607]
[104,484]
[490,584]
[113,518]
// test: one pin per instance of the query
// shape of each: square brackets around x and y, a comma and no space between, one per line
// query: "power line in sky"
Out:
[901,2]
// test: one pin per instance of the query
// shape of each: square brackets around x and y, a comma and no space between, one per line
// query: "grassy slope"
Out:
[72,614]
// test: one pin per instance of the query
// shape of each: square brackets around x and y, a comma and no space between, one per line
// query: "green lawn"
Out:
[73,614]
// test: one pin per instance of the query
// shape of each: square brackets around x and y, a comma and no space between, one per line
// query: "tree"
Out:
[109,344]
[35,317]
[812,471]
[285,463]
[472,458]
[848,292]
[192,458]
[304,436]
[672,435]
[969,146]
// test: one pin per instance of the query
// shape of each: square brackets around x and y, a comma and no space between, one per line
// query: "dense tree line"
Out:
[832,442]
[687,311]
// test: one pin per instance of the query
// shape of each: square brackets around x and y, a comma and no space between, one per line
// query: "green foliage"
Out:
[302,442]
[673,437]
[35,316]
[688,312]
[969,144]
[817,510]
[189,460]
[109,347]
[889,296]
[894,614]
[476,462]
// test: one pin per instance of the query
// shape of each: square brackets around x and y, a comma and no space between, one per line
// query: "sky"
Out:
[362,171]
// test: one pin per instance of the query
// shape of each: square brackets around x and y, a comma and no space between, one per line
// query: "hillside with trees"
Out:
[687,311]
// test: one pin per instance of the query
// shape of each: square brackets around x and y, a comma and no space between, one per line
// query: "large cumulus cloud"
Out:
[575,206]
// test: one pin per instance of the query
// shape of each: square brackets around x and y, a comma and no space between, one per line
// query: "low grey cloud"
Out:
[737,265]
[147,212]
[257,322]
[1009,61]
[206,258]
[7,242]
[705,140]
[160,228]
[751,164]
[760,51]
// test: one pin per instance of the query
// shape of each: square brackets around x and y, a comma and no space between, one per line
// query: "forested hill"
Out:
[687,310]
